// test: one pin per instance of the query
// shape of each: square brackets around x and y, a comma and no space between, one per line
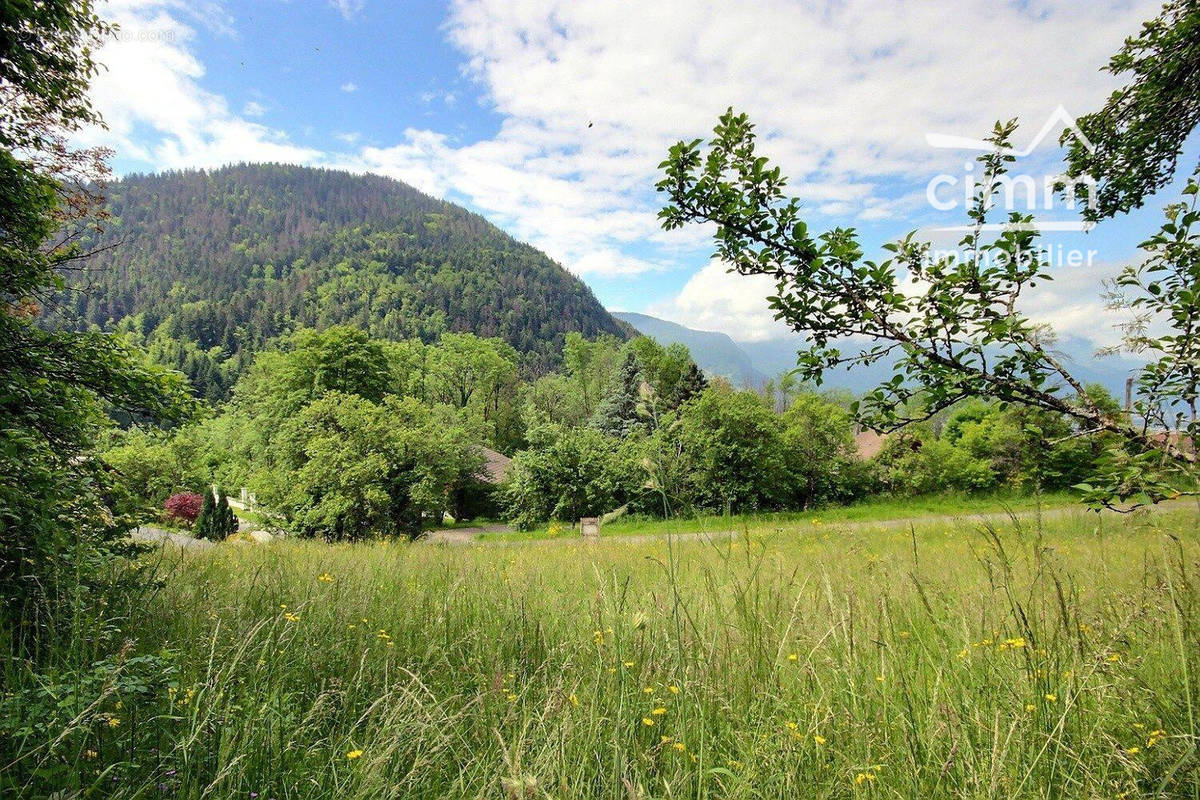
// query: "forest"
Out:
[346,437]
[202,268]
[362,359]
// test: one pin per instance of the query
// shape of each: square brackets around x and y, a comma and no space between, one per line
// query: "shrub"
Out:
[216,520]
[183,507]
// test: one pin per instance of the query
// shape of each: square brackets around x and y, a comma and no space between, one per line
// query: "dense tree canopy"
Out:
[205,267]
[1134,142]
[57,528]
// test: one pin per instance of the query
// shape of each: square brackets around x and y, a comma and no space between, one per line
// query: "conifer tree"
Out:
[690,386]
[618,414]
[206,522]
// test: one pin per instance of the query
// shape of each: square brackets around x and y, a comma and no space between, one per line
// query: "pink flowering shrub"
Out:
[183,507]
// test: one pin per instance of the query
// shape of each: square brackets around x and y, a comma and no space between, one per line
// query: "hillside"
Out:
[205,266]
[714,352]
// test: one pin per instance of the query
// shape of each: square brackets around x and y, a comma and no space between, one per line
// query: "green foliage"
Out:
[961,333]
[590,364]
[1163,288]
[210,266]
[58,532]
[346,468]
[45,67]
[723,451]
[568,473]
[620,414]
[916,462]
[1135,140]
[216,520]
[148,467]
[821,461]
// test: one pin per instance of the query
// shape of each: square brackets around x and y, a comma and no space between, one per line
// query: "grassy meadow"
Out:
[795,660]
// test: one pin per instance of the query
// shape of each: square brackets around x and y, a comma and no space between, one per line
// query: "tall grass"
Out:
[947,660]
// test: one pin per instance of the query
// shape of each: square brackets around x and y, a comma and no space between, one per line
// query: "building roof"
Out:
[868,443]
[495,465]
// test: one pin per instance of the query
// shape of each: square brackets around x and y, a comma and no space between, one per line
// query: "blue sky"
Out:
[550,117]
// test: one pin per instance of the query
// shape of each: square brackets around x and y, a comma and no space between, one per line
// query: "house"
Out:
[495,466]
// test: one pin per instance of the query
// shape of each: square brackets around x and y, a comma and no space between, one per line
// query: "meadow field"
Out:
[969,659]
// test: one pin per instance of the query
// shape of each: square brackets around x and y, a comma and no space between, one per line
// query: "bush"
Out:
[183,507]
[568,473]
[216,519]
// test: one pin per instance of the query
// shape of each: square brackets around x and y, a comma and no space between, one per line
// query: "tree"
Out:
[959,334]
[309,363]
[590,364]
[691,385]
[618,415]
[57,531]
[822,464]
[569,473]
[723,452]
[184,507]
[216,520]
[479,375]
[347,469]
[1135,140]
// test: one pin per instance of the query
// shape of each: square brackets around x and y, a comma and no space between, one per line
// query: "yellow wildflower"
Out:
[1051,698]
[679,746]
[818,739]
[113,722]
[792,657]
[658,712]
[325,577]
[673,689]
[353,754]
[574,700]
[649,723]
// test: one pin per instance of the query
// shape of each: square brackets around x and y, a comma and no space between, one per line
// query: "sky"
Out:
[550,117]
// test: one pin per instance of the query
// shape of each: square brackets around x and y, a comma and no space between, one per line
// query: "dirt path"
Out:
[148,533]
[464,535]
[468,536]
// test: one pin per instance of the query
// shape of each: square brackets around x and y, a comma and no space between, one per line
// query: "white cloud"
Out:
[253,109]
[717,300]
[155,108]
[350,137]
[592,95]
[349,9]
[349,87]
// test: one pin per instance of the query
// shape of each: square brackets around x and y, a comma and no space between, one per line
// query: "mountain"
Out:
[774,356]
[205,266]
[713,352]
[749,363]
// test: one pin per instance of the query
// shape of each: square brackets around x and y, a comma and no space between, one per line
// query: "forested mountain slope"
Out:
[205,266]
[715,352]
